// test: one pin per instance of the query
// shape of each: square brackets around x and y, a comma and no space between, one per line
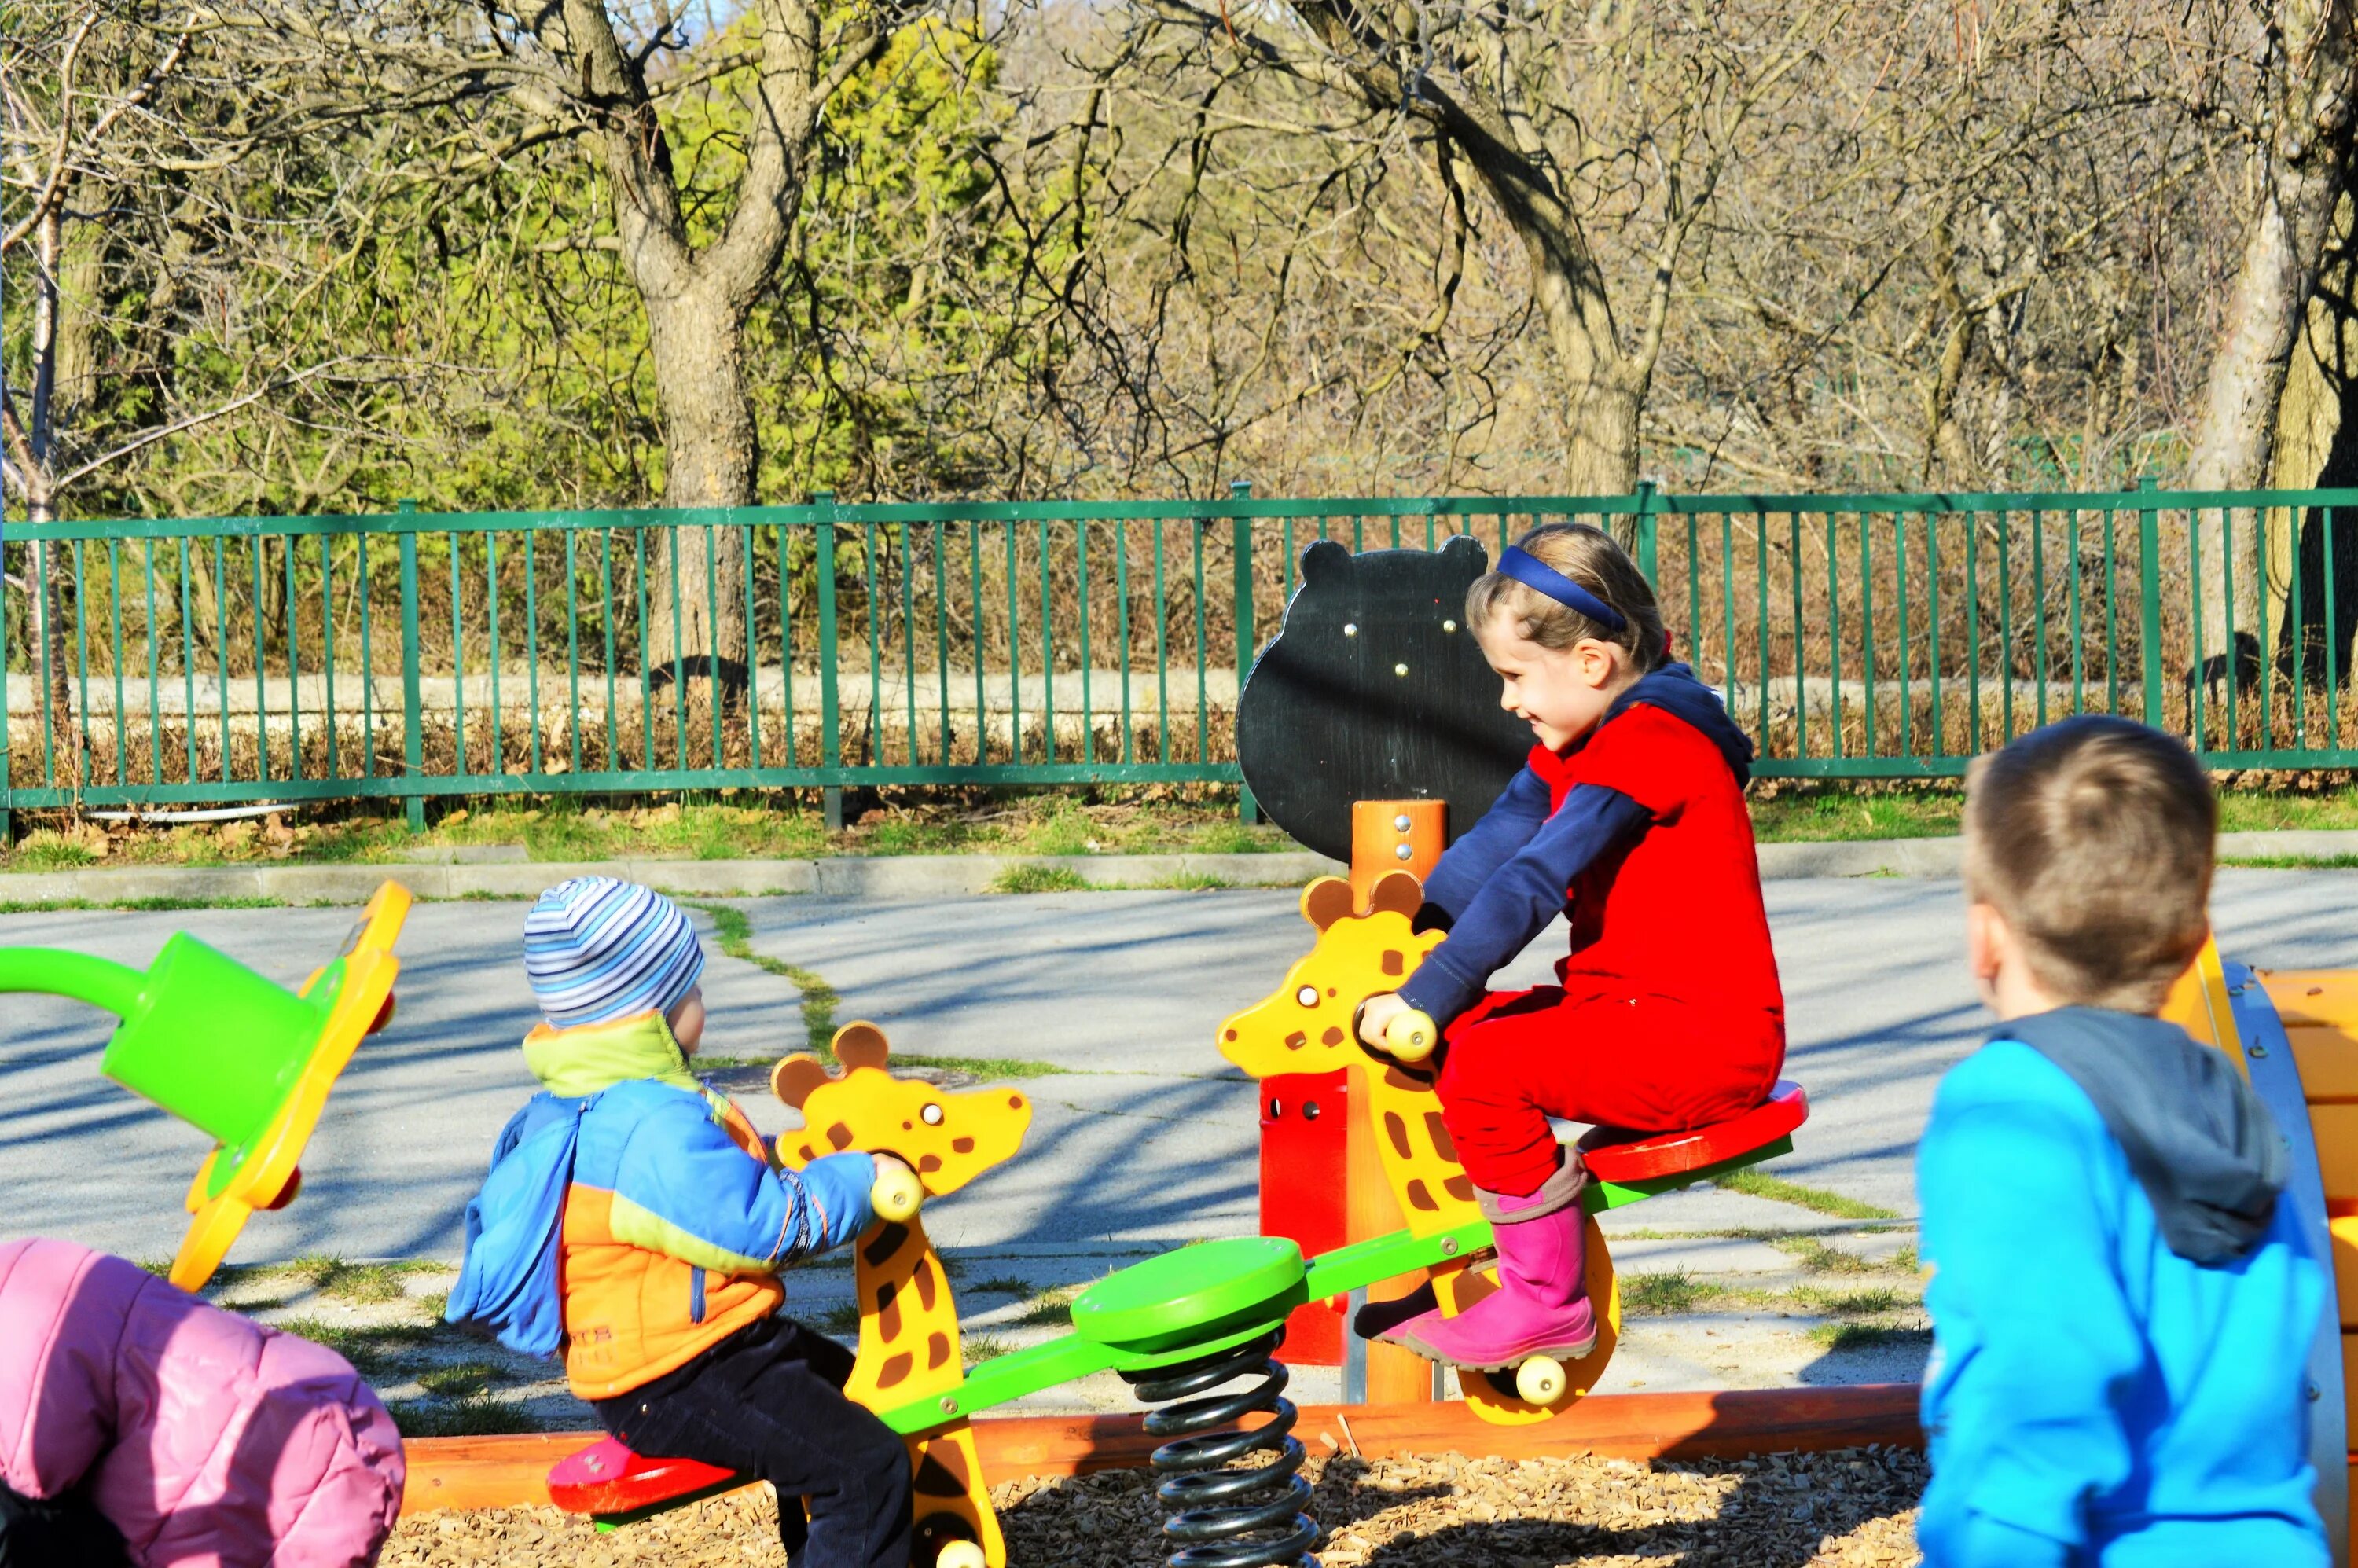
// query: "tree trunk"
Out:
[2312,586]
[50,585]
[2304,168]
[697,613]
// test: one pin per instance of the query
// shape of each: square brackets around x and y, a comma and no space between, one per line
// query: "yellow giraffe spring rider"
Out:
[909,1344]
[1307,1025]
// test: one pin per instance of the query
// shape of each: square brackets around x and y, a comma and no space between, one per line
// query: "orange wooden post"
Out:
[1386,836]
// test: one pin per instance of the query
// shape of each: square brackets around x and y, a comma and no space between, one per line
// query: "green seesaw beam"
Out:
[101,983]
[1216,1295]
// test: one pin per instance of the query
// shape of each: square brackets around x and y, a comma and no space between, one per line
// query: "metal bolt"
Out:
[1399,823]
[1351,628]
[1449,626]
[1400,669]
[1403,852]
[1449,1247]
[2258,1050]
[949,1406]
[1309,1110]
[2315,1393]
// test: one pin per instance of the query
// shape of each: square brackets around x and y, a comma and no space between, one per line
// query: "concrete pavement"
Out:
[1146,1141]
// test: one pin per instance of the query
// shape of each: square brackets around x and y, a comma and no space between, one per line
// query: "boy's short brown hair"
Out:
[2094,838]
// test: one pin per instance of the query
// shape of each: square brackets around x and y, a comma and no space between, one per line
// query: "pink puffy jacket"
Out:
[206,1438]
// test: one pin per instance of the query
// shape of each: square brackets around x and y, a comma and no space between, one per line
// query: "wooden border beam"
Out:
[512,1472]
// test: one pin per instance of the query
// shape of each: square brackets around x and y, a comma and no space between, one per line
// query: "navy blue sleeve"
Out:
[1518,900]
[1513,818]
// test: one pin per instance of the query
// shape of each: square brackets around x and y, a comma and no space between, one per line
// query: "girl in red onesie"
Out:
[1629,819]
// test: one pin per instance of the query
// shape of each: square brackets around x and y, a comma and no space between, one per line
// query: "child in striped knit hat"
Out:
[676,1222]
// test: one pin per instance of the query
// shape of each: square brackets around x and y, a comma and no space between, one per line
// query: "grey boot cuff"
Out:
[1559,1192]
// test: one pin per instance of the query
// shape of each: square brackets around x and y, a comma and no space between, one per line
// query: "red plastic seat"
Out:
[1614,1155]
[607,1478]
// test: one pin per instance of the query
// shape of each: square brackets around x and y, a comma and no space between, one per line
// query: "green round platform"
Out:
[1182,1294]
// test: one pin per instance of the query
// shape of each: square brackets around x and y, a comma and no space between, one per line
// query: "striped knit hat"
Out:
[597,949]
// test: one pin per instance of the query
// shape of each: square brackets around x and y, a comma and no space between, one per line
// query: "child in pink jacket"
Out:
[139,1425]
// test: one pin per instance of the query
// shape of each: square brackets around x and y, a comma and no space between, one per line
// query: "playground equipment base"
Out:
[513,1471]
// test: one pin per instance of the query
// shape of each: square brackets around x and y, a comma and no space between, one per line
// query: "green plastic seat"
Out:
[1193,1293]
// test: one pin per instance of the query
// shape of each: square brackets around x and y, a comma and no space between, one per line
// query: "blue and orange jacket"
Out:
[678,1218]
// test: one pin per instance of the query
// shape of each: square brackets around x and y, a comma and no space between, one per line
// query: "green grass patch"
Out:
[372,1348]
[479,1416]
[981,1348]
[2292,863]
[339,1280]
[138,905]
[988,1067]
[1003,1285]
[1759,1183]
[1195,882]
[1039,878]
[459,1380]
[843,1317]
[1665,1293]
[1872,1302]
[734,930]
[1866,1336]
[1049,1309]
[701,826]
[1820,1259]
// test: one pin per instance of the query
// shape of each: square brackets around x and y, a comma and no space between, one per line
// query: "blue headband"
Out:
[1532,572]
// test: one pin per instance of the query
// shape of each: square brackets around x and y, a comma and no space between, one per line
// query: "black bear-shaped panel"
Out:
[1375,689]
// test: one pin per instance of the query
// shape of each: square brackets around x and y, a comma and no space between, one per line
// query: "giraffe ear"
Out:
[1398,891]
[1327,900]
[860,1043]
[792,1079]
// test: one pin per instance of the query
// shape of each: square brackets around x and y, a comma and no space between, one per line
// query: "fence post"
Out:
[412,717]
[1647,528]
[1241,527]
[2149,613]
[830,735]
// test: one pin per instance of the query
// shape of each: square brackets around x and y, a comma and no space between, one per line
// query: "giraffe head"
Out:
[948,1138]
[1305,1026]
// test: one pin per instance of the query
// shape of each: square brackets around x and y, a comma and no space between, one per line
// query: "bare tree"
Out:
[2300,142]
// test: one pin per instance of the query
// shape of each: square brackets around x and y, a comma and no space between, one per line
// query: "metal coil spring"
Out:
[1222,1517]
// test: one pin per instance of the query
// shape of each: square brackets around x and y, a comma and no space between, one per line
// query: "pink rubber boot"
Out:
[1541,1307]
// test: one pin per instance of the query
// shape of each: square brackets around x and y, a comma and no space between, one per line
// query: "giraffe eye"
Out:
[931,1115]
[1307,996]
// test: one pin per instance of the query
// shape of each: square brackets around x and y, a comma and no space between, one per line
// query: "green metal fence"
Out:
[402,656]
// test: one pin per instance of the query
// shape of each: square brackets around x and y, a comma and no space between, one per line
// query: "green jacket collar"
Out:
[572,1064]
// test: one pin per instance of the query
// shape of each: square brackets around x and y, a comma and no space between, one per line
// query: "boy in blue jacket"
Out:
[676,1222]
[2121,1313]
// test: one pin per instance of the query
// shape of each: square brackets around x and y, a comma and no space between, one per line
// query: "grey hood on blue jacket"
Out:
[2198,1139]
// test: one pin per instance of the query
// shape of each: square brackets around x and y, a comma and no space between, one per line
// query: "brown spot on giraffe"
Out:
[1421,1199]
[839,1136]
[1395,1129]
[1459,1186]
[937,1352]
[896,1371]
[887,1241]
[1438,1130]
[1394,963]
[961,1145]
[923,1278]
[929,1165]
[888,1312]
[809,1153]
[1296,1041]
[1332,1037]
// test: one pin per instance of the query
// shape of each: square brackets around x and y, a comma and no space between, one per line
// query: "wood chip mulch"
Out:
[1851,1509]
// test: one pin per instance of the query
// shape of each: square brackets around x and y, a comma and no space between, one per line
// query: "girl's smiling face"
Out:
[1560,692]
